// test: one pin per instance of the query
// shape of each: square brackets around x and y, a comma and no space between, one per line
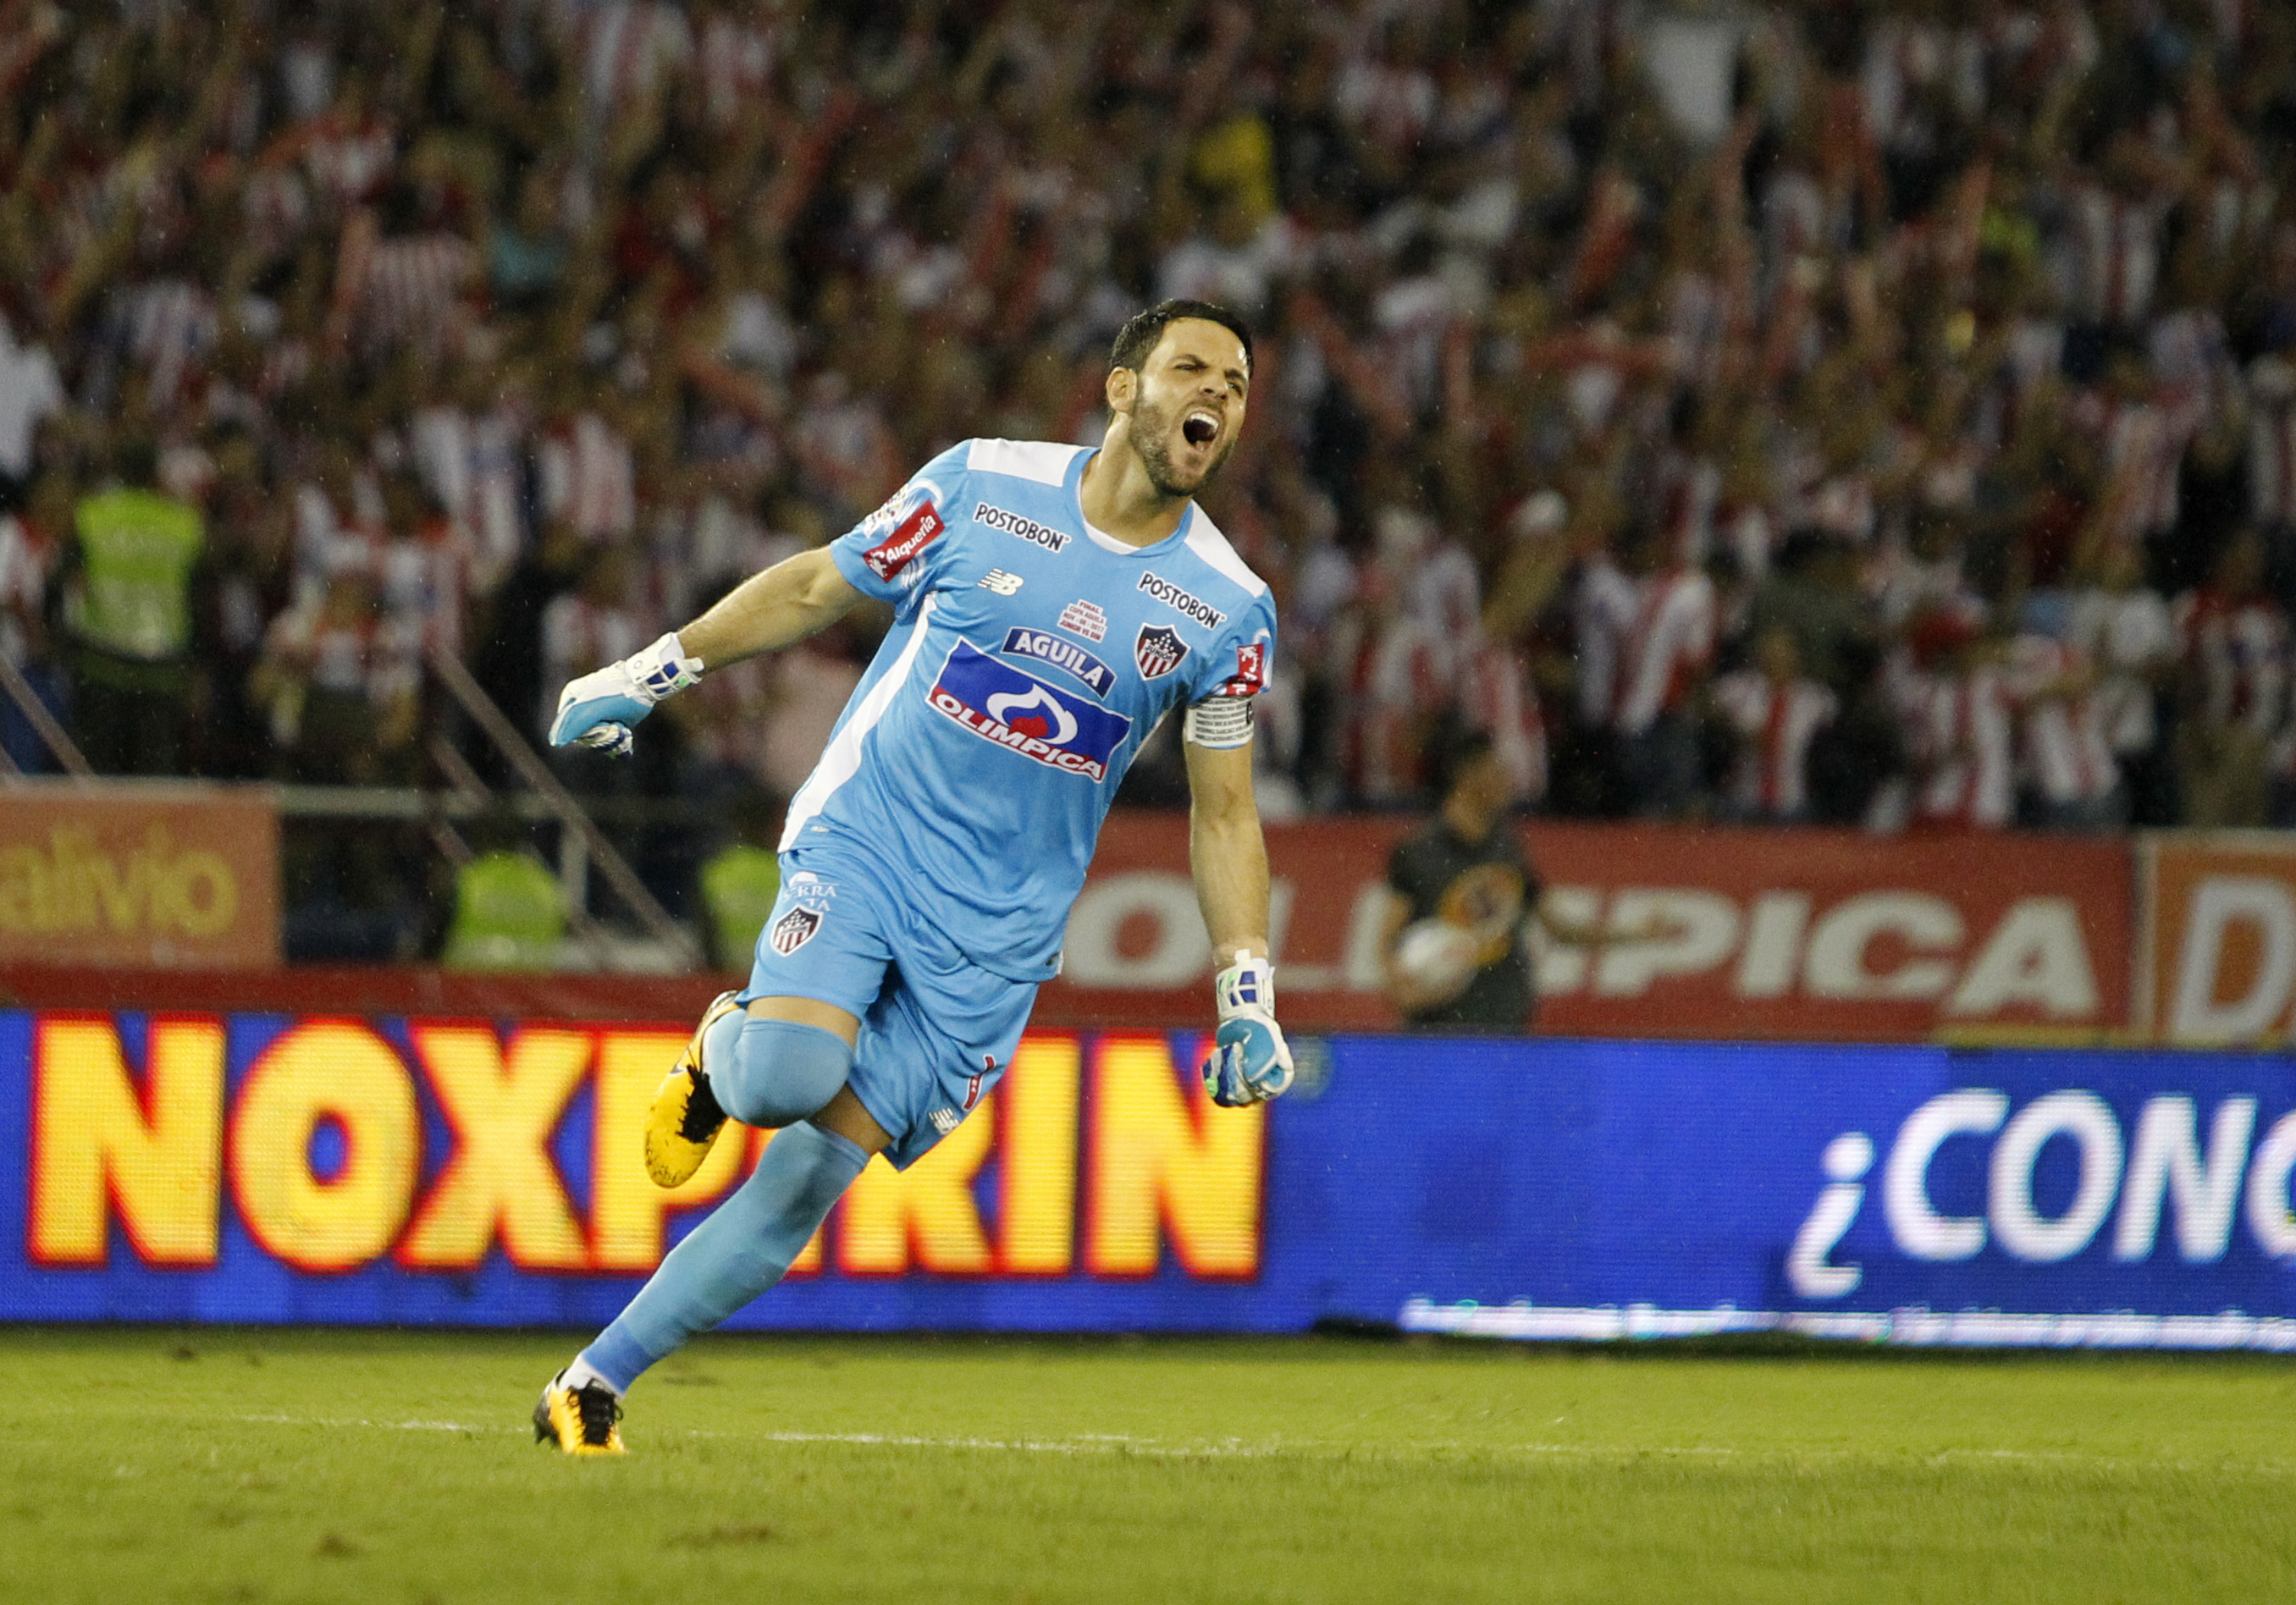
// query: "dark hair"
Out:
[136,461]
[1139,337]
[1455,747]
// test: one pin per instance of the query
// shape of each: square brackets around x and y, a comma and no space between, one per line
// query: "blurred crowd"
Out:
[1861,413]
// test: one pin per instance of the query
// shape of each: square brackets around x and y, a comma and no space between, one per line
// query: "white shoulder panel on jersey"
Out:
[1043,461]
[1206,540]
[840,760]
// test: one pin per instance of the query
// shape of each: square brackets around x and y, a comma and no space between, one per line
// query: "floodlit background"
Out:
[1870,414]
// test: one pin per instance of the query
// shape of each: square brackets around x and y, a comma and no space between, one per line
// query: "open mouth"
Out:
[1200,428]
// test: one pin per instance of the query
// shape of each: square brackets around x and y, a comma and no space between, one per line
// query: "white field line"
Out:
[1118,1443]
[331,1421]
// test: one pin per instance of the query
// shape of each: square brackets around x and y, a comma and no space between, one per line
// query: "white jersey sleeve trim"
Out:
[1044,461]
[841,761]
[1206,540]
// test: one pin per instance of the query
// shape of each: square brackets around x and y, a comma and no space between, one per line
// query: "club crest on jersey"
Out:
[913,534]
[1251,671]
[1024,714]
[1192,607]
[1157,649]
[794,931]
[1066,656]
[1027,530]
[1085,618]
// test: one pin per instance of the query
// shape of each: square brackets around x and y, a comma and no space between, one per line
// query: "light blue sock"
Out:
[778,1072]
[740,1251]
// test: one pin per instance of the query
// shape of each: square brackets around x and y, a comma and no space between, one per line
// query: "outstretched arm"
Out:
[1251,1062]
[786,603]
[797,597]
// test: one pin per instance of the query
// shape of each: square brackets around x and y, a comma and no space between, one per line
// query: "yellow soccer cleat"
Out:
[686,1119]
[579,1420]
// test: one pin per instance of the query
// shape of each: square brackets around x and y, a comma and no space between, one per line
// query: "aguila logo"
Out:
[1157,649]
[1066,656]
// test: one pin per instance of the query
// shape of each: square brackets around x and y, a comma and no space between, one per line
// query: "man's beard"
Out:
[1151,432]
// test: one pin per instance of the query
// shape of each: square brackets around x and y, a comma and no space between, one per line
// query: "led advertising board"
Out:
[272,1167]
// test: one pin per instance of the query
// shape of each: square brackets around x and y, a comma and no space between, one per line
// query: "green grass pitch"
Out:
[256,1465]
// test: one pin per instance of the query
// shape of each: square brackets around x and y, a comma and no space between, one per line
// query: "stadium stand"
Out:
[1857,412]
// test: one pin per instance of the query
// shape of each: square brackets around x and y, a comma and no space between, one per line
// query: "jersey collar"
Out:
[1107,542]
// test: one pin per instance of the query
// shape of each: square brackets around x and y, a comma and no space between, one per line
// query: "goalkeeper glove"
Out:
[600,708]
[1250,1061]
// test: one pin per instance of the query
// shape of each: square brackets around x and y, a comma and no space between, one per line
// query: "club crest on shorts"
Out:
[1157,649]
[794,931]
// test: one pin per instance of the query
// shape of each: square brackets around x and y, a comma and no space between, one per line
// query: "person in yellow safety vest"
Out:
[128,609]
[508,914]
[739,885]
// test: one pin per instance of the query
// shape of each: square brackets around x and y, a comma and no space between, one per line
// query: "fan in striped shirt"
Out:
[2236,644]
[2272,450]
[1772,712]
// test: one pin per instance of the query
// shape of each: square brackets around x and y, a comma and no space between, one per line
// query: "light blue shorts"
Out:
[937,1030]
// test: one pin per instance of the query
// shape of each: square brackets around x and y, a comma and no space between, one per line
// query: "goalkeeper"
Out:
[1052,604]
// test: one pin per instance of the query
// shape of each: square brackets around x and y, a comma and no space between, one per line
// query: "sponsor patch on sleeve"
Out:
[911,536]
[1250,677]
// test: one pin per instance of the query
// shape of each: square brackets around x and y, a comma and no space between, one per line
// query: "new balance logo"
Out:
[1000,582]
[945,1120]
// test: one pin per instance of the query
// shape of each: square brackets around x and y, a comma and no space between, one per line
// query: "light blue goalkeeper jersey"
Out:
[1030,656]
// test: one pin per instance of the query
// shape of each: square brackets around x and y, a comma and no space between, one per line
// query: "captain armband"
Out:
[1218,723]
